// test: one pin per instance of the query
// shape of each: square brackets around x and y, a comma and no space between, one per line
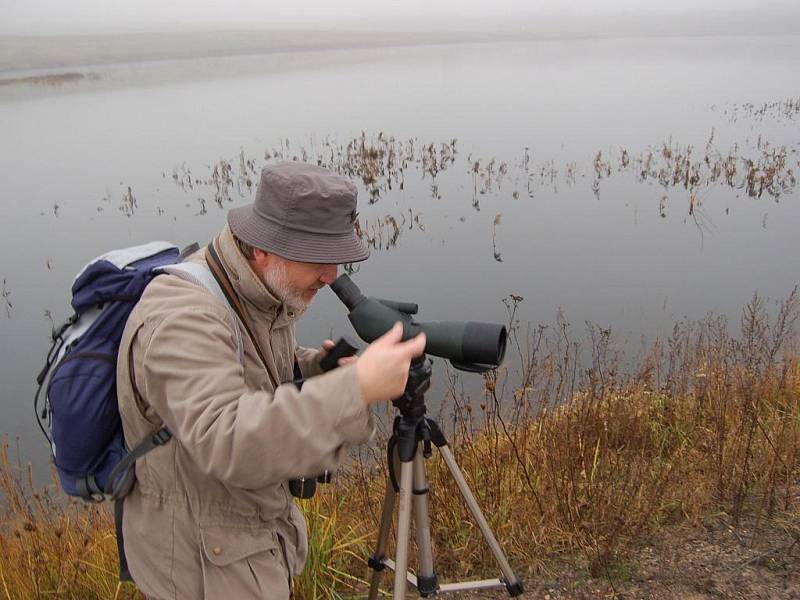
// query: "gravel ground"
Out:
[757,560]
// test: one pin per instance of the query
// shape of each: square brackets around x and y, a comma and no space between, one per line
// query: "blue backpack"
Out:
[79,415]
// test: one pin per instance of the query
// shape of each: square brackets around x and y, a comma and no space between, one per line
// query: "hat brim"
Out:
[295,245]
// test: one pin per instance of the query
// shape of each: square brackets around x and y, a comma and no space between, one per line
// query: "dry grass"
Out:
[54,547]
[570,459]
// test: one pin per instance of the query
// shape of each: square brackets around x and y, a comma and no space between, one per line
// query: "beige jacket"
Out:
[211,515]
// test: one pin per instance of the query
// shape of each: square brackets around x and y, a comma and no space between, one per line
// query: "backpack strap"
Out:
[53,355]
[200,275]
[124,572]
[188,250]
[121,479]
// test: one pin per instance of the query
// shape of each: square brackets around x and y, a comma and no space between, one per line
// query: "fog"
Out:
[55,17]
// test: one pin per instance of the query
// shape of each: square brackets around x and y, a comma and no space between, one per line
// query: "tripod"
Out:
[410,429]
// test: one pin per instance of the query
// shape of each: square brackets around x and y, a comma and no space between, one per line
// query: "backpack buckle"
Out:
[161,437]
[88,489]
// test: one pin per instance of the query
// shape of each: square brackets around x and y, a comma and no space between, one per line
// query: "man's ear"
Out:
[260,258]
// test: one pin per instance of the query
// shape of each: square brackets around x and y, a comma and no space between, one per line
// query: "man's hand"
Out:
[328,345]
[382,369]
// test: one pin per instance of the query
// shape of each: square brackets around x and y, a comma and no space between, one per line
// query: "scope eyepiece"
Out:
[347,291]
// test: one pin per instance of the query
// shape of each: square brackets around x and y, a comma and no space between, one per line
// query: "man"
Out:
[211,515]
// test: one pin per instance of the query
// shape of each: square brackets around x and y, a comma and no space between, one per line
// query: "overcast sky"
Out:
[21,17]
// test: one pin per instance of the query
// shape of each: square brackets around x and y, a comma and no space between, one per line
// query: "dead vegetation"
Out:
[384,164]
[575,461]
[777,110]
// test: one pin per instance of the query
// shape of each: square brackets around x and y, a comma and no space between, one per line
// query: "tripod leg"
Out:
[376,560]
[513,584]
[427,582]
[403,529]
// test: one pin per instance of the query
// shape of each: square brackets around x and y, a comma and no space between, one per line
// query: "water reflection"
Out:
[382,233]
[129,204]
[497,256]
[6,295]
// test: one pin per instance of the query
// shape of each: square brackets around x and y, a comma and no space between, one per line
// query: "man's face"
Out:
[295,283]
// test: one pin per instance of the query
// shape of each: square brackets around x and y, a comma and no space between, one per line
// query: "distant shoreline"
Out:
[51,80]
[153,58]
[33,56]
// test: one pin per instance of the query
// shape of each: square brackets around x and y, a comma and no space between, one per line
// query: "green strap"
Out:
[121,478]
[124,573]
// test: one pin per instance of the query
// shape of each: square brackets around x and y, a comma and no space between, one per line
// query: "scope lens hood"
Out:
[484,343]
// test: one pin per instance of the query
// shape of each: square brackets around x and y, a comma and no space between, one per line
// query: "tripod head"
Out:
[412,403]
[468,345]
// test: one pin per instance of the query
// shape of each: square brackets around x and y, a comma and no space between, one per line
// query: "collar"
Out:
[248,285]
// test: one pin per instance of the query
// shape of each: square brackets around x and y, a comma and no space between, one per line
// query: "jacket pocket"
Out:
[242,562]
[299,546]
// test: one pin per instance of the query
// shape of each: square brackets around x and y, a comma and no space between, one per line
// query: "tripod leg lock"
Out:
[436,435]
[376,563]
[514,589]
[427,586]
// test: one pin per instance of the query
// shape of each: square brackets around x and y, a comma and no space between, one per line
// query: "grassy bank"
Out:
[571,461]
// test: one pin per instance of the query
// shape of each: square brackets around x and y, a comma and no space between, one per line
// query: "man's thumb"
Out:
[394,335]
[416,345]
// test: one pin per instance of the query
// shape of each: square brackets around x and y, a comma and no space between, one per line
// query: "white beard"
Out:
[276,280]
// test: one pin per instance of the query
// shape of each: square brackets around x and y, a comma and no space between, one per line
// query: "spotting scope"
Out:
[468,345]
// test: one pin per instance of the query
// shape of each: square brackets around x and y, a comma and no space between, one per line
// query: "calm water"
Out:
[618,252]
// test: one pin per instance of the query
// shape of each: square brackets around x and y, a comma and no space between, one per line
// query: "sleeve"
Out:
[248,439]
[308,359]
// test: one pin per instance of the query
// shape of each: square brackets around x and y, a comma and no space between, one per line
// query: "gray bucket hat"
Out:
[301,212]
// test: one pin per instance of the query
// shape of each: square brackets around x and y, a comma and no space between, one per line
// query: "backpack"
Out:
[79,415]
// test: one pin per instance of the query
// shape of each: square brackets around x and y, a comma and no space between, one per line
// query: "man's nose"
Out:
[329,273]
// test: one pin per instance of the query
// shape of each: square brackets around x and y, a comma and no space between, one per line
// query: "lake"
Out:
[627,183]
